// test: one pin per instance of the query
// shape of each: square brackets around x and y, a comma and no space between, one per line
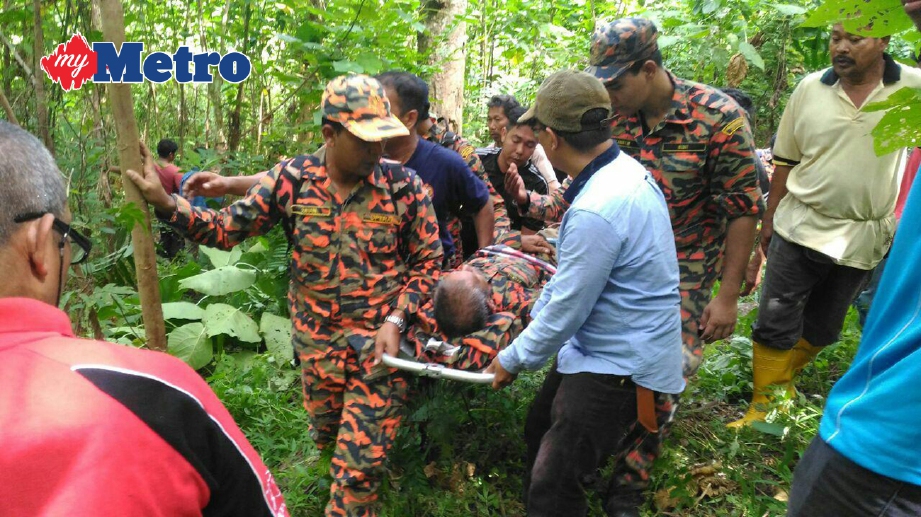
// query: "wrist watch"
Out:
[398,321]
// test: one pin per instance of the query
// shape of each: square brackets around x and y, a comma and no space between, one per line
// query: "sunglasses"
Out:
[81,246]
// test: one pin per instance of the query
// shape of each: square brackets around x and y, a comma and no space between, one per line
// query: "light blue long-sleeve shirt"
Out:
[613,305]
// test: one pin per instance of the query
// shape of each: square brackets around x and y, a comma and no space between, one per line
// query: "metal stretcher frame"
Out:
[437,371]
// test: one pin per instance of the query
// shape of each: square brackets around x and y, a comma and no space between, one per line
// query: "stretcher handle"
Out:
[437,371]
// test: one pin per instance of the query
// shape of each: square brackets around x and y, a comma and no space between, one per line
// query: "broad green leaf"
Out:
[288,38]
[221,258]
[667,41]
[901,125]
[259,247]
[769,428]
[789,9]
[369,63]
[277,333]
[190,343]
[875,18]
[901,98]
[220,281]
[182,311]
[751,54]
[221,318]
[347,66]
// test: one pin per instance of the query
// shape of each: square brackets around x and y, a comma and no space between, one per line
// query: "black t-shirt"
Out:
[533,180]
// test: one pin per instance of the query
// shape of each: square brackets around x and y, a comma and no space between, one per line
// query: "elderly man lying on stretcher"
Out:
[481,306]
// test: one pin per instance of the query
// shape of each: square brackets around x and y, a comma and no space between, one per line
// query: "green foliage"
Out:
[243,279]
[220,281]
[182,311]
[277,333]
[876,18]
[899,126]
[191,343]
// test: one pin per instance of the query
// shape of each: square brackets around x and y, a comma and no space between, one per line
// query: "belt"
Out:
[646,409]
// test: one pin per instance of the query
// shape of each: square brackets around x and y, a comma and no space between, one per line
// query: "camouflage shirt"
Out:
[702,155]
[703,158]
[516,282]
[353,257]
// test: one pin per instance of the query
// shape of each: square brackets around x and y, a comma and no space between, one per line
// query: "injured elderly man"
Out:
[481,306]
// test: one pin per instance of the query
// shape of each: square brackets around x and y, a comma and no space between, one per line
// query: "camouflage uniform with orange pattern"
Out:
[703,158]
[355,257]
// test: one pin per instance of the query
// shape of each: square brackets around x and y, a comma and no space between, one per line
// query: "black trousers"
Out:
[804,294]
[573,427]
[827,484]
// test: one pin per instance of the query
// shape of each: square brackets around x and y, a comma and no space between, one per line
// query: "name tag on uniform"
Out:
[684,148]
[315,211]
[381,219]
[623,142]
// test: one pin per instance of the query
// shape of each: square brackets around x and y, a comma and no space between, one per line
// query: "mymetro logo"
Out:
[75,62]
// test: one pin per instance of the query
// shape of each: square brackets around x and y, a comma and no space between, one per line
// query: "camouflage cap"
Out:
[358,103]
[564,97]
[619,44]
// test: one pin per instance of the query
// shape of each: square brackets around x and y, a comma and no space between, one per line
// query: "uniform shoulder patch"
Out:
[466,151]
[731,128]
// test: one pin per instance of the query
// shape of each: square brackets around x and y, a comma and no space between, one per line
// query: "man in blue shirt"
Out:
[449,182]
[865,460]
[610,314]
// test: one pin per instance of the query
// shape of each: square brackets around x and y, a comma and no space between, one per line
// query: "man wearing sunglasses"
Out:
[89,427]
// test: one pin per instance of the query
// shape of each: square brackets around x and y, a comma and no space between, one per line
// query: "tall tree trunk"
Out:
[7,108]
[447,85]
[236,132]
[214,88]
[41,103]
[183,116]
[129,157]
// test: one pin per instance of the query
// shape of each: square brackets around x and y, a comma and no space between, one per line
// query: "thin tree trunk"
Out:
[183,116]
[41,103]
[214,88]
[235,122]
[9,109]
[145,260]
[447,84]
[261,114]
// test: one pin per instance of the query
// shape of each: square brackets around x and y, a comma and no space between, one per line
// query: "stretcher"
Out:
[433,370]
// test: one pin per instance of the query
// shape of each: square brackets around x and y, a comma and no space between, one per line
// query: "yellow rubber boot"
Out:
[803,354]
[769,367]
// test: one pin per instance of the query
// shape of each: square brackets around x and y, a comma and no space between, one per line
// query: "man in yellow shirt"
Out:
[829,219]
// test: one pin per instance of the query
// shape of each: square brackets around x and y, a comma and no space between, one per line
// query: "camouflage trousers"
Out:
[354,408]
[697,276]
[636,454]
